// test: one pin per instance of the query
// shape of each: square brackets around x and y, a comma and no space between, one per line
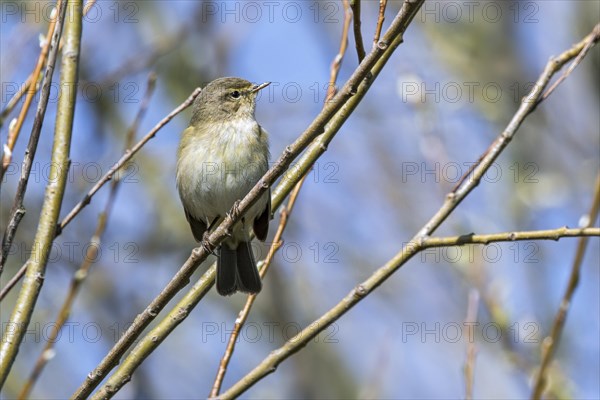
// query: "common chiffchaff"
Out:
[221,156]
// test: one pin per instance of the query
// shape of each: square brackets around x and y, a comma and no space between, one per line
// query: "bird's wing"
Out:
[261,223]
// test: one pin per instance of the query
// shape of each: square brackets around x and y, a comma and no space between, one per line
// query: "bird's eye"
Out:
[235,94]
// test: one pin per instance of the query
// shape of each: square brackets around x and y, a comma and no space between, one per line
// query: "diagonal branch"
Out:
[243,314]
[270,363]
[285,212]
[110,174]
[352,92]
[574,64]
[91,254]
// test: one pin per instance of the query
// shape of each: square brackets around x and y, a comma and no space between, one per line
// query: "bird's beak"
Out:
[256,88]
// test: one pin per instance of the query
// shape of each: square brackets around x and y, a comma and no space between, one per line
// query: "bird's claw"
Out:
[206,245]
[235,210]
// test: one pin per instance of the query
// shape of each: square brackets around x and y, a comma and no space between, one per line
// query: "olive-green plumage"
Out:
[221,156]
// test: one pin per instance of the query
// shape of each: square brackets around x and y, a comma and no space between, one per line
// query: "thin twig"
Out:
[53,197]
[501,316]
[13,281]
[319,146]
[332,114]
[574,64]
[360,47]
[18,210]
[380,19]
[14,130]
[550,343]
[91,254]
[243,314]
[277,242]
[124,159]
[471,320]
[548,234]
[578,52]
[142,61]
[88,5]
[305,336]
[336,64]
[112,172]
[473,176]
[12,103]
[14,100]
[270,363]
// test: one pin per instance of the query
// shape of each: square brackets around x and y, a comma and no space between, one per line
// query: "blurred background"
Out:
[445,95]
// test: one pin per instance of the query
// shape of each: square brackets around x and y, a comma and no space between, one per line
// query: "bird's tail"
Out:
[236,270]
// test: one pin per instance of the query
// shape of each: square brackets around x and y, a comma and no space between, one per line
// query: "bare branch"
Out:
[471,319]
[18,210]
[550,343]
[276,357]
[352,92]
[128,155]
[91,254]
[243,315]
[53,197]
[380,19]
[270,363]
[124,159]
[360,47]
[594,36]
[337,61]
[13,131]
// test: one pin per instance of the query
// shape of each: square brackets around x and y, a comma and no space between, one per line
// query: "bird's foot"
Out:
[235,210]
[206,244]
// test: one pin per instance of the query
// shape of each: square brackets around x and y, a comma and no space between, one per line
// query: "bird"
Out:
[221,156]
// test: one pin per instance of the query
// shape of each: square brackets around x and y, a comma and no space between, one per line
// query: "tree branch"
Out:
[360,47]
[128,155]
[13,131]
[391,39]
[337,61]
[91,254]
[270,363]
[276,357]
[243,315]
[18,210]
[471,319]
[380,19]
[27,298]
[550,342]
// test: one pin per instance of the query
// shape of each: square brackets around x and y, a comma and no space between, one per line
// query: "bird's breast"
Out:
[221,166]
